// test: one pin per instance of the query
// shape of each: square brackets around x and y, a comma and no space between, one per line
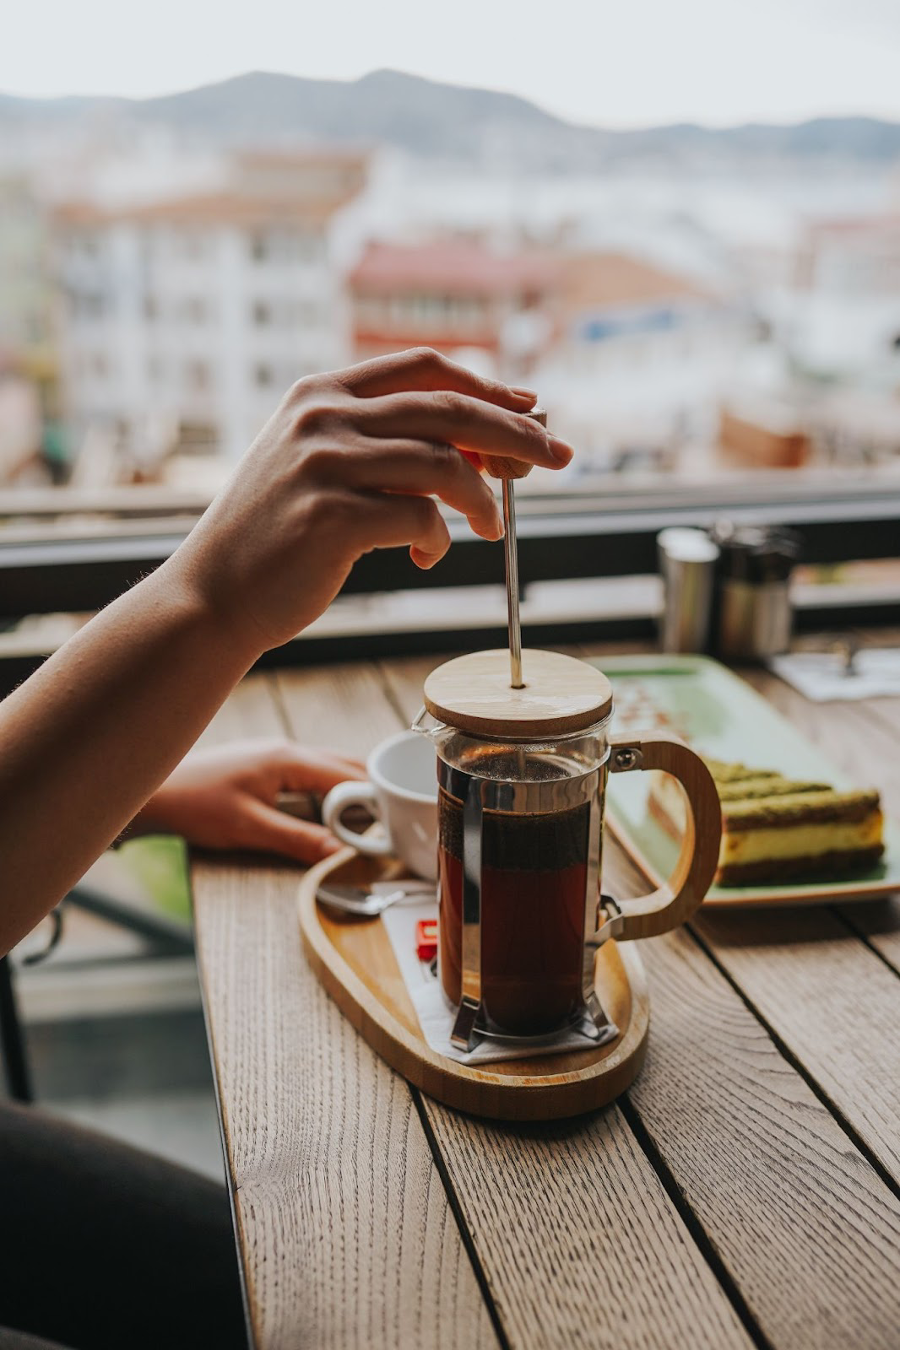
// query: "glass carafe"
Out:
[521,823]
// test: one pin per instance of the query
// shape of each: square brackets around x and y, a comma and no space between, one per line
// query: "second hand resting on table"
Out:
[350,461]
[228,798]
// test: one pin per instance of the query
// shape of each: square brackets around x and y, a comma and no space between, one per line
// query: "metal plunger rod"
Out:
[507,470]
[513,582]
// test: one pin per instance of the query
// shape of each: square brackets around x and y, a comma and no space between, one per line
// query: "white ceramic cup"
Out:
[403,795]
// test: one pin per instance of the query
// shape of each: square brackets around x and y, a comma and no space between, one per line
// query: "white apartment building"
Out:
[183,320]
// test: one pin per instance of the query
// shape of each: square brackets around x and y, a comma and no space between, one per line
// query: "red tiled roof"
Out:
[593,280]
[856,225]
[452,267]
[210,208]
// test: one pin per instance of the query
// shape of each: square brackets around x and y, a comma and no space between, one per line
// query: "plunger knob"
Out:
[499,466]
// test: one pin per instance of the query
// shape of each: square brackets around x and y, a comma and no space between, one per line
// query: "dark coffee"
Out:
[532,914]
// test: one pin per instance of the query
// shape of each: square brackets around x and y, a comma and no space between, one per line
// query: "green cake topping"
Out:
[722,772]
[803,808]
[772,785]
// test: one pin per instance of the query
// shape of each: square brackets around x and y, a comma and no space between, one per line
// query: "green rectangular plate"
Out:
[721,716]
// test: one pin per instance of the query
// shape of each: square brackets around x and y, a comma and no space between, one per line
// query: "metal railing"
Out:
[73,562]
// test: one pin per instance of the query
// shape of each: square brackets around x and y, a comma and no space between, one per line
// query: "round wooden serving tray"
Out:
[354,961]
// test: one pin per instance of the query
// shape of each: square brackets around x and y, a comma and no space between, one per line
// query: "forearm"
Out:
[92,734]
[350,461]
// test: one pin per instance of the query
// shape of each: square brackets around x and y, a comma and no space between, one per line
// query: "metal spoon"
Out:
[370,901]
[847,651]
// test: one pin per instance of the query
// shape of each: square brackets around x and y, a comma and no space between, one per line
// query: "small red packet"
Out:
[427,939]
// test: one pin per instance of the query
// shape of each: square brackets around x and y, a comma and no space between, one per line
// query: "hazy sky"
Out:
[633,62]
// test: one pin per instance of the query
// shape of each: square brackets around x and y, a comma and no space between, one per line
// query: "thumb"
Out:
[275,832]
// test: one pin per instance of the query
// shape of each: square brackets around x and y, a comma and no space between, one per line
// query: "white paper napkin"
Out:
[820,676]
[437,1019]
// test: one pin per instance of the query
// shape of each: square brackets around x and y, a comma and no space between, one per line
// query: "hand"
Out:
[226,798]
[350,462]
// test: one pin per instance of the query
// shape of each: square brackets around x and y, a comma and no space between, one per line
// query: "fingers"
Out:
[272,831]
[468,423]
[384,520]
[423,369]
[315,770]
[421,468]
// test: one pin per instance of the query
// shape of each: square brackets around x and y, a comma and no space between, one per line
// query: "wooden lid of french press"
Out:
[560,694]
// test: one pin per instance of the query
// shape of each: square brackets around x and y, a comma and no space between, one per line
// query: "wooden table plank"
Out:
[877,923]
[831,1001]
[802,1222]
[251,710]
[577,1238]
[344,1227]
[342,706]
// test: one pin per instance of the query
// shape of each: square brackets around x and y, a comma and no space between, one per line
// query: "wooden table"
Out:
[743,1194]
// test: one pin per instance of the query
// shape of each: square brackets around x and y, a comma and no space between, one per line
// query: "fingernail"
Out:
[523,393]
[560,450]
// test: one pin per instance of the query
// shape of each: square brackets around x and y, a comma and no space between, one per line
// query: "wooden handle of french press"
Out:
[499,466]
[679,898]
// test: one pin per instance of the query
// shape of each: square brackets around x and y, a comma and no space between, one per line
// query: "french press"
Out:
[522,774]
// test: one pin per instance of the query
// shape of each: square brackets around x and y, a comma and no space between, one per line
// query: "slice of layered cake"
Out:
[780,829]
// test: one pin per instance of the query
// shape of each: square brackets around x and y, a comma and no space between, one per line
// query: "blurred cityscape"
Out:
[685,302]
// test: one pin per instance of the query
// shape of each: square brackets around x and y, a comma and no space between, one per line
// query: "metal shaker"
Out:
[687,560]
[754,617]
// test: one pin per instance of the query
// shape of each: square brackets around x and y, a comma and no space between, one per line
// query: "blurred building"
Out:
[184,318]
[28,366]
[26,312]
[842,316]
[21,427]
[639,360]
[485,308]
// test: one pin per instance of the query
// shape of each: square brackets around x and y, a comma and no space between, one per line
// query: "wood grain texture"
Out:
[404,677]
[801,1220]
[579,1241]
[830,1000]
[344,1227]
[342,706]
[804,1224]
[251,710]
[877,922]
[560,694]
[884,711]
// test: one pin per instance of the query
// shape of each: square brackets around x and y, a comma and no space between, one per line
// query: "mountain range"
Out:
[450,122]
